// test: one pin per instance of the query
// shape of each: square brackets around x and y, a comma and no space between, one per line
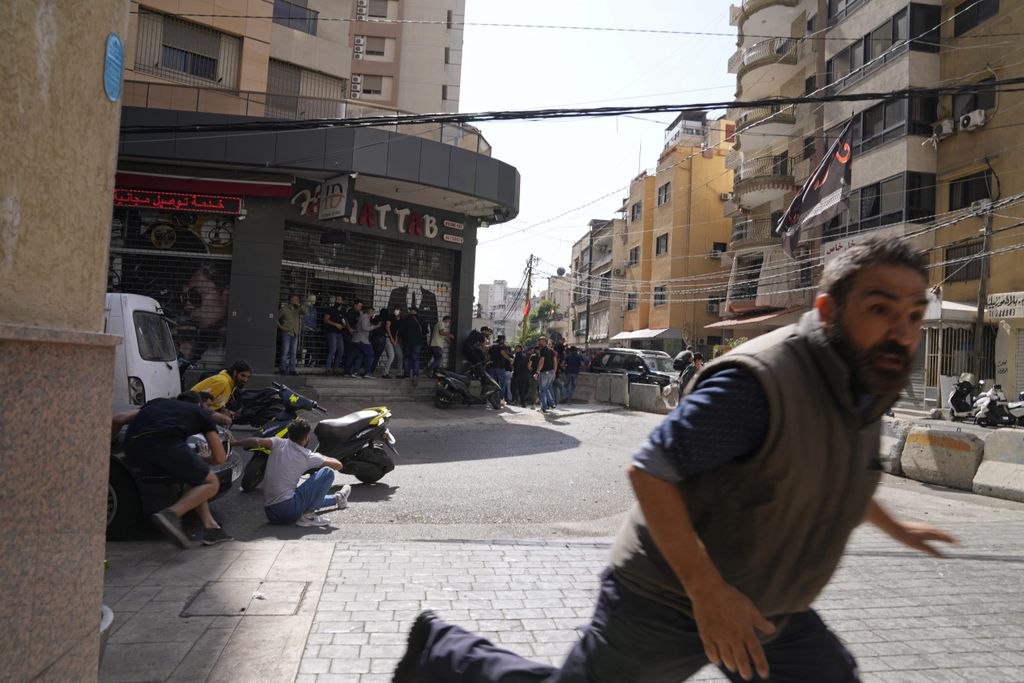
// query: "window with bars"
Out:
[378,9]
[185,52]
[373,85]
[661,245]
[965,191]
[963,271]
[664,193]
[296,15]
[294,92]
[660,297]
[376,46]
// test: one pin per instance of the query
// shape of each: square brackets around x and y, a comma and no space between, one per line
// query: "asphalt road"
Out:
[479,475]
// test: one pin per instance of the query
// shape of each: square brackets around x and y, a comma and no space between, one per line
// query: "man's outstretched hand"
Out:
[727,621]
[920,536]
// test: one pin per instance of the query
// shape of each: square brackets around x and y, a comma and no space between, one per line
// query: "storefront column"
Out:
[56,365]
[462,303]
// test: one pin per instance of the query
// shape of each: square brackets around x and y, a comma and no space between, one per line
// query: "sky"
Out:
[565,164]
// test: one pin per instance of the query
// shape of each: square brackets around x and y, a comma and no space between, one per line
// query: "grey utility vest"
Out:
[775,525]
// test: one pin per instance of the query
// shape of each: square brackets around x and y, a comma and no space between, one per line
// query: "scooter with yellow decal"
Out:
[358,440]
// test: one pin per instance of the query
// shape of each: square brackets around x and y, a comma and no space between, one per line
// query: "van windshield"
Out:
[154,335]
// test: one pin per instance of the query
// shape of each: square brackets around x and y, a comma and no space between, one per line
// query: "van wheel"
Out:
[124,508]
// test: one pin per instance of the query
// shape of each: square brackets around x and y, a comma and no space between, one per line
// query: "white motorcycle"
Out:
[994,409]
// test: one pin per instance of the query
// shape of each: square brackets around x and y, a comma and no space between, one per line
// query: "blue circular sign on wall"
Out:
[113,66]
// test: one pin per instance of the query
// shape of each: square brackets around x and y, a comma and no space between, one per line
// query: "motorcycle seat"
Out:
[345,427]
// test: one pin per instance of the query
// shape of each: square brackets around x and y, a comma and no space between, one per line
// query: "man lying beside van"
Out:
[221,386]
[156,441]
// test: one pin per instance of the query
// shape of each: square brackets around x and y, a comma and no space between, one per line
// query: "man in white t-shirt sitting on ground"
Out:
[284,501]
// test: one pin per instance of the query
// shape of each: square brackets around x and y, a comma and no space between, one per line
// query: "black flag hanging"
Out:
[825,194]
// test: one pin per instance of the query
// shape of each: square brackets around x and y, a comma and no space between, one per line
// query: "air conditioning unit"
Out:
[357,56]
[356,78]
[355,87]
[361,13]
[715,254]
[617,271]
[360,40]
[725,196]
[355,95]
[358,49]
[972,120]
[713,307]
[942,129]
[362,3]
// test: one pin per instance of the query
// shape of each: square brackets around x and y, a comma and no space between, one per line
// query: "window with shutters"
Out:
[376,46]
[294,92]
[634,256]
[378,9]
[661,245]
[961,265]
[373,85]
[295,15]
[185,52]
[664,193]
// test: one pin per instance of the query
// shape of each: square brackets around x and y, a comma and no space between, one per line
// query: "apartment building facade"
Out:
[222,227]
[675,244]
[597,275]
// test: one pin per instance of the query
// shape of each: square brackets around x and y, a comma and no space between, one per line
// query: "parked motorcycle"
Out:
[359,440]
[961,398]
[992,409]
[453,388]
[1016,409]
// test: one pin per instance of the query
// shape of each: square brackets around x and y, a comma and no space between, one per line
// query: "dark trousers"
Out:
[634,640]
[521,388]
[410,360]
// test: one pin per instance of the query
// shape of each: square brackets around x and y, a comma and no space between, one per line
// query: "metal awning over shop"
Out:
[776,318]
[648,333]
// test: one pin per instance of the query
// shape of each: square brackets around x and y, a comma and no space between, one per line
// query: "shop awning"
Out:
[775,317]
[648,333]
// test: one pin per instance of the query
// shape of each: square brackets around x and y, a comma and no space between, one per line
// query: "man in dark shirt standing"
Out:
[156,442]
[498,369]
[520,376]
[410,333]
[545,375]
[573,364]
[335,327]
[351,324]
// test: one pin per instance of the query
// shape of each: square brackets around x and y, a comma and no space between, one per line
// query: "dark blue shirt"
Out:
[573,362]
[724,419]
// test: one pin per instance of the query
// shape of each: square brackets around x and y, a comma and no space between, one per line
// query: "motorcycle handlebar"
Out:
[319,408]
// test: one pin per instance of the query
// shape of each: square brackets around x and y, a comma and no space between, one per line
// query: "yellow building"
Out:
[677,231]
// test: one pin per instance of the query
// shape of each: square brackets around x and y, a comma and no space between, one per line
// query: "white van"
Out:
[146,364]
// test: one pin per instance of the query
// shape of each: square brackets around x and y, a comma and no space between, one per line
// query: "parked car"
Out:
[640,366]
[145,368]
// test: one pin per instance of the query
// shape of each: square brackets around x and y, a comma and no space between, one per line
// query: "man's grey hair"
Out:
[837,280]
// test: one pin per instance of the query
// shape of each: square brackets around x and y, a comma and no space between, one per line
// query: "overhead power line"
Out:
[586,112]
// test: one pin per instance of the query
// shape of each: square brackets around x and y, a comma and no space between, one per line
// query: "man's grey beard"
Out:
[865,377]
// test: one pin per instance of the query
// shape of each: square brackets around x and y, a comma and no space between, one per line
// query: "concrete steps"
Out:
[370,391]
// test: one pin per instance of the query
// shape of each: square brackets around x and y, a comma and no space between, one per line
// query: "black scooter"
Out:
[360,440]
[454,388]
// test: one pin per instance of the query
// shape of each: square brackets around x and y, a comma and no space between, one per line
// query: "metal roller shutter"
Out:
[318,265]
[183,260]
[1020,362]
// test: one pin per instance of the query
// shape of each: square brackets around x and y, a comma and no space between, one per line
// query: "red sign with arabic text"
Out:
[177,201]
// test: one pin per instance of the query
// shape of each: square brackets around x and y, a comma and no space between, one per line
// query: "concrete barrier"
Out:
[602,385]
[586,386]
[618,390]
[1001,473]
[894,438]
[942,456]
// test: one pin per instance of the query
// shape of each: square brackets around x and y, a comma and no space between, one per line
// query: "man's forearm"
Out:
[881,518]
[668,520]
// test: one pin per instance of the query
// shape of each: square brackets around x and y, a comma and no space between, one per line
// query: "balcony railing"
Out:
[733,159]
[771,51]
[261,104]
[747,118]
[739,14]
[756,232]
[763,167]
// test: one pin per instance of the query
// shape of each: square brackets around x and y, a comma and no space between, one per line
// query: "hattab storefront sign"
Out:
[1003,306]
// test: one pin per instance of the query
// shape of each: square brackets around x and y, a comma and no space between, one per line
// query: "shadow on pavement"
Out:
[508,440]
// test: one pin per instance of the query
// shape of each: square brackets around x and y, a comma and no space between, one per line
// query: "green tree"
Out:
[544,313]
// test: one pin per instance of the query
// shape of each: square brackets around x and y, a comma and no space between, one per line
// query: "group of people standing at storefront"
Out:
[543,373]
[361,340]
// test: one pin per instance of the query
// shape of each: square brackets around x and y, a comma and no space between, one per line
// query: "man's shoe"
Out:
[415,381]
[407,670]
[293,372]
[215,536]
[342,496]
[385,376]
[169,523]
[309,519]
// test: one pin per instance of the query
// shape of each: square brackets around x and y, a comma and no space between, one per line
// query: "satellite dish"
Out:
[560,272]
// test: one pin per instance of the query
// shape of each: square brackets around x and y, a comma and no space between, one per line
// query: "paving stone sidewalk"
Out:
[322,611]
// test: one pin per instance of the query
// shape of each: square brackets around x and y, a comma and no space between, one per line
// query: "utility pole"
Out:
[529,295]
[590,282]
[979,322]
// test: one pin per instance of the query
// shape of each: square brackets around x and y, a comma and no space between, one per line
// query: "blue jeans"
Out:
[289,348]
[362,358]
[500,376]
[309,497]
[335,350]
[632,638]
[436,358]
[547,398]
[411,359]
[570,384]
